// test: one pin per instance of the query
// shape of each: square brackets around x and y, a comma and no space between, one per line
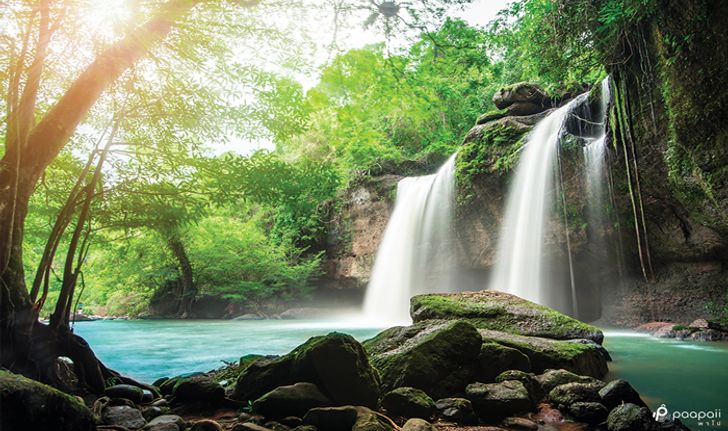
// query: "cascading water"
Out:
[520,266]
[416,252]
[519,256]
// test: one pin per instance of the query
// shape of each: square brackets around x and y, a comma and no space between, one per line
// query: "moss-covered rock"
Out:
[438,357]
[459,410]
[545,353]
[493,115]
[28,405]
[553,378]
[336,363]
[630,417]
[408,402]
[502,312]
[496,358]
[570,393]
[493,401]
[290,400]
[529,381]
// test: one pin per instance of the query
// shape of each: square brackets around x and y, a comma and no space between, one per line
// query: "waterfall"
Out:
[520,266]
[416,252]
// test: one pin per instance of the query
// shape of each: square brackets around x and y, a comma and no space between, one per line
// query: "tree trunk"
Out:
[22,338]
[188,290]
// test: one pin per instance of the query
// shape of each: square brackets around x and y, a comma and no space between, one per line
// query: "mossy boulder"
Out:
[631,417]
[570,393]
[493,401]
[28,405]
[618,392]
[336,363]
[528,380]
[496,358]
[545,353]
[290,400]
[459,410]
[553,378]
[409,403]
[438,357]
[590,412]
[503,312]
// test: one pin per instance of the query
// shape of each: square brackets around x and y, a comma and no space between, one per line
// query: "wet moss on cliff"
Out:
[490,148]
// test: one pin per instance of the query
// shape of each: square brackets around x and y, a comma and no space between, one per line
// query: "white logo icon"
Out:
[660,414]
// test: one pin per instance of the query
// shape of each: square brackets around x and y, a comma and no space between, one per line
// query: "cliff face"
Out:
[670,166]
[356,230]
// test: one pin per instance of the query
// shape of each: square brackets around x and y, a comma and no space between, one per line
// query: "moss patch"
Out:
[502,312]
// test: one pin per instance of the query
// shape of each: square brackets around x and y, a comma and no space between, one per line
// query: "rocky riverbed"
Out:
[477,361]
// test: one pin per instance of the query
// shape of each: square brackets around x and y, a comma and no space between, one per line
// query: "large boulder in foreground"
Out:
[440,358]
[545,353]
[336,363]
[503,312]
[28,405]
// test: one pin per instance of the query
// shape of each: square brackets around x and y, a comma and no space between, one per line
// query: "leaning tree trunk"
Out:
[188,289]
[27,346]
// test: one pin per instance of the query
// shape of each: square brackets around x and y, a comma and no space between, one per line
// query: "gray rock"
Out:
[528,379]
[331,418]
[206,425]
[526,108]
[249,426]
[151,412]
[522,92]
[290,400]
[619,391]
[521,424]
[162,427]
[198,389]
[417,424]
[123,416]
[589,412]
[552,378]
[493,401]
[570,393]
[457,409]
[168,419]
[130,392]
[631,417]
[409,402]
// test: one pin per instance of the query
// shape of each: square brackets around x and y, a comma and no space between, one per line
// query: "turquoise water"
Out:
[682,375]
[685,376]
[150,349]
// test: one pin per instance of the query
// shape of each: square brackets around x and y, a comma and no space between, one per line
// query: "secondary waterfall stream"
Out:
[416,251]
